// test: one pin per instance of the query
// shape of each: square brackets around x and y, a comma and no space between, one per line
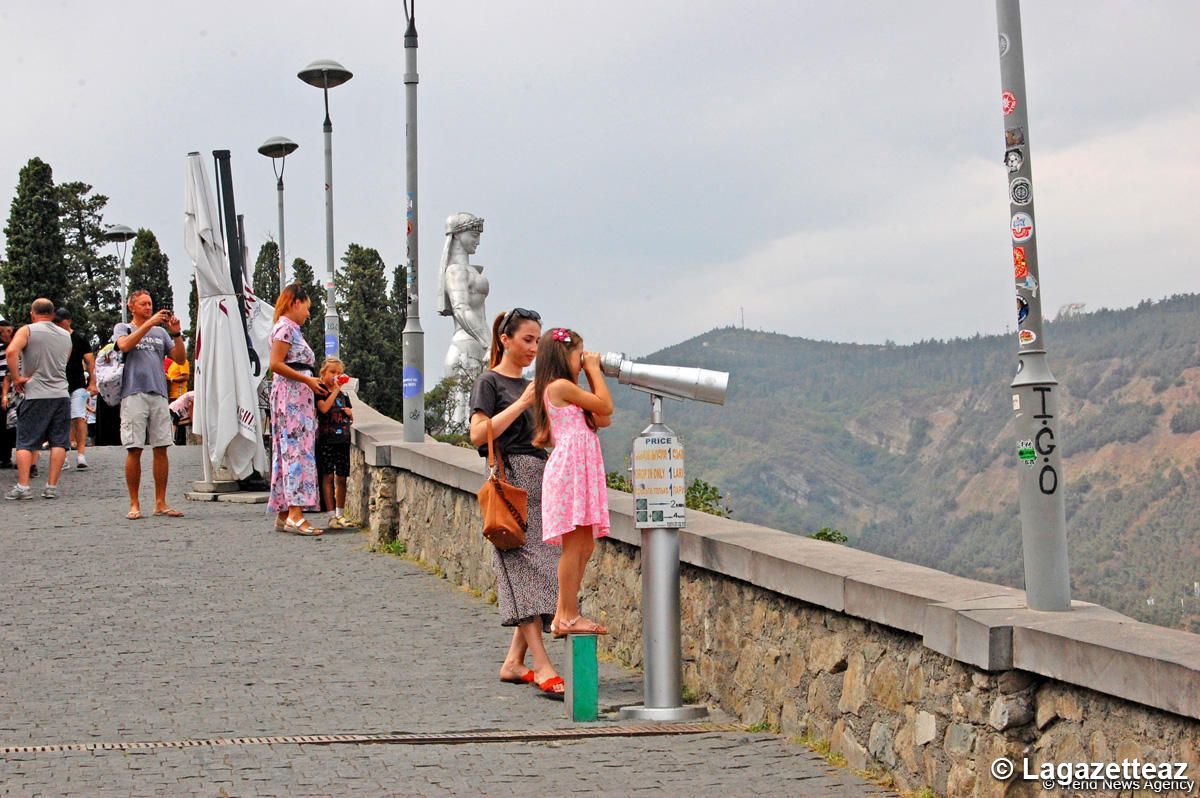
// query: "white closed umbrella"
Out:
[226,404]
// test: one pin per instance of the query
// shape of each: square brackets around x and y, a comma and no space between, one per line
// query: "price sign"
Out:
[658,485]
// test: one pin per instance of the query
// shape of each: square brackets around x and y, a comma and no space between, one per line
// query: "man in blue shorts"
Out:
[81,385]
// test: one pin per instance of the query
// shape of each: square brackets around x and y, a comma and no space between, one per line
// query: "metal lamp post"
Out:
[1035,391]
[325,75]
[413,336]
[119,234]
[279,147]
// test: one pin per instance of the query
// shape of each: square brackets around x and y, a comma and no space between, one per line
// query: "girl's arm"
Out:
[602,421]
[502,420]
[598,400]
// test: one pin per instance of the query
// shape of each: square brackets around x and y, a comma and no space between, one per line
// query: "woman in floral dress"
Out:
[293,416]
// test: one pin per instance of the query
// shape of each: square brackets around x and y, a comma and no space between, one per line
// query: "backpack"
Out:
[110,373]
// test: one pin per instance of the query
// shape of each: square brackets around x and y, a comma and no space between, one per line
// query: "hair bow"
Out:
[561,335]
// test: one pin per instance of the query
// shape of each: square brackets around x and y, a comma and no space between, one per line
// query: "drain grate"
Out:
[428,738]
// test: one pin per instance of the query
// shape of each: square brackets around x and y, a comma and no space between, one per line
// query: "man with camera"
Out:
[145,418]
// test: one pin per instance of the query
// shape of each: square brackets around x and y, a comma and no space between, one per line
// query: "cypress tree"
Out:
[371,347]
[148,270]
[266,272]
[95,298]
[314,328]
[34,246]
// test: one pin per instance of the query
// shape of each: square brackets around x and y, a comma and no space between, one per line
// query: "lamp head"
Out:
[278,147]
[118,232]
[325,74]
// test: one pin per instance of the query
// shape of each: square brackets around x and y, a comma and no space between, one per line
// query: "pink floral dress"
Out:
[574,492]
[293,428]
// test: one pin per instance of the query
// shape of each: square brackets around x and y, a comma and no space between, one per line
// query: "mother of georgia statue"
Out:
[462,289]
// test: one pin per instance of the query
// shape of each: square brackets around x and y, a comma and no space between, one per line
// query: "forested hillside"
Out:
[910,450]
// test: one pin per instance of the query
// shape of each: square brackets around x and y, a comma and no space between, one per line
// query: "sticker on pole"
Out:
[658,487]
[1022,309]
[1014,159]
[1025,451]
[411,382]
[1020,191]
[1020,265]
[1003,45]
[1008,101]
[331,345]
[1022,227]
[1026,337]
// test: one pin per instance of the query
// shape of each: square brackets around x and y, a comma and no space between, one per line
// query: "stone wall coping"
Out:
[981,624]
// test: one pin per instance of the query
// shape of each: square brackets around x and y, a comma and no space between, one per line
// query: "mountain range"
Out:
[910,450]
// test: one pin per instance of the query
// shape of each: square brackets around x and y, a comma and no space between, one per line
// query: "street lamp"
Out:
[325,75]
[413,337]
[119,234]
[279,147]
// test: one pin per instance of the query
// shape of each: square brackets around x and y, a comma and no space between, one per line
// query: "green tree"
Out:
[314,328]
[148,270]
[189,335]
[34,245]
[266,272]
[95,298]
[371,349]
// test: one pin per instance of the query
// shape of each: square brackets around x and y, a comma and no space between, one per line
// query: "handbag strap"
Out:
[495,461]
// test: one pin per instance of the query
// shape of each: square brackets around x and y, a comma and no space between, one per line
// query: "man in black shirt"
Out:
[81,388]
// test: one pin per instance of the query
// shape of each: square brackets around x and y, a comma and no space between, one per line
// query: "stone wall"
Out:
[878,692]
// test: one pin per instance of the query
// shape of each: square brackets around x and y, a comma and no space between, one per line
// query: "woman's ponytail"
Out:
[497,348]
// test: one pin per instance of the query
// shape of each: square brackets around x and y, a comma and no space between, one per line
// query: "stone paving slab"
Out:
[214,626]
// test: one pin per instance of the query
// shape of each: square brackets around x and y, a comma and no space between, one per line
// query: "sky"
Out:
[650,171]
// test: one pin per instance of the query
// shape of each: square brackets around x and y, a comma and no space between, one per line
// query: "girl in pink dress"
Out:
[574,494]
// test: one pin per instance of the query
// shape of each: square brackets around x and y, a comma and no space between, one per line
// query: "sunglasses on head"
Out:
[518,313]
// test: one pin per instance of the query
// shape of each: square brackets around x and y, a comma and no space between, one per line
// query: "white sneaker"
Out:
[19,492]
[81,463]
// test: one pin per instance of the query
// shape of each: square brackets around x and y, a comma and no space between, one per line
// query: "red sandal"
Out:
[528,678]
[547,688]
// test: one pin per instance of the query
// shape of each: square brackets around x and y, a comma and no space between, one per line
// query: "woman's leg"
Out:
[295,513]
[542,669]
[514,661]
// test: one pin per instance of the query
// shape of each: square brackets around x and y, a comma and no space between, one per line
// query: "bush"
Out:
[830,535]
[1186,419]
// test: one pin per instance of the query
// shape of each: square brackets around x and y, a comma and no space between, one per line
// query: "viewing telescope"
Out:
[676,382]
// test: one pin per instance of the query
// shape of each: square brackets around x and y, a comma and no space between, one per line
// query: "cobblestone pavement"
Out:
[213,626]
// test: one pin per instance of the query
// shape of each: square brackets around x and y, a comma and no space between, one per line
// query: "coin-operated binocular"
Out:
[659,504]
[676,382]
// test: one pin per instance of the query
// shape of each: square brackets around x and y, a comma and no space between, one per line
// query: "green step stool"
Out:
[582,698]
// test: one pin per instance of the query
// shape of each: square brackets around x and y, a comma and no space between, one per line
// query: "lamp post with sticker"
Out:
[413,337]
[659,512]
[1035,391]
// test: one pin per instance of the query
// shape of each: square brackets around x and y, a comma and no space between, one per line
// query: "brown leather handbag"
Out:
[502,504]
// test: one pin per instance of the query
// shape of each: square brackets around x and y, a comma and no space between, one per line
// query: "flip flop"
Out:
[547,688]
[528,678]
[170,512]
[133,515]
[575,627]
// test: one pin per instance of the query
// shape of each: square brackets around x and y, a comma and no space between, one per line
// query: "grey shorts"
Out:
[146,421]
[79,400]
[42,420]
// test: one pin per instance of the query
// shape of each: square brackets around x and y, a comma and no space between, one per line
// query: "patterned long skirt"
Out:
[527,578]
[293,446]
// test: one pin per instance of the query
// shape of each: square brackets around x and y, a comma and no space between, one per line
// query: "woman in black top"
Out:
[527,577]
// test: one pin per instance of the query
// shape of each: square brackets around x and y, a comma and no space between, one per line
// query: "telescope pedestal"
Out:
[661,654]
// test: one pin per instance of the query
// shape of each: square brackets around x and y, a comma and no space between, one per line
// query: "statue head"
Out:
[464,229]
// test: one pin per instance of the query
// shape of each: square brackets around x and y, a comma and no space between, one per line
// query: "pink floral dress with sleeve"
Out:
[574,491]
[293,428]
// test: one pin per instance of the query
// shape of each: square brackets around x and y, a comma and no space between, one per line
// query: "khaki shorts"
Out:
[146,421]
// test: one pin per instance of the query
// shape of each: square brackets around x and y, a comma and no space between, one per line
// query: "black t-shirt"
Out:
[79,348]
[494,392]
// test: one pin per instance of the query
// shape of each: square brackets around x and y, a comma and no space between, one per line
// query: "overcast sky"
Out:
[648,169]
